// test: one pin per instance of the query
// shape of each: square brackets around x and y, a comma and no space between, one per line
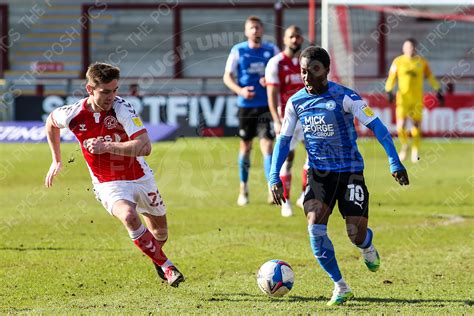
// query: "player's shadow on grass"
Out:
[410,301]
[245,297]
[57,249]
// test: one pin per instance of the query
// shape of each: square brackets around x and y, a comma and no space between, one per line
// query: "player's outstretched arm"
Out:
[434,84]
[391,80]
[273,92]
[246,92]
[401,177]
[385,139]
[280,153]
[230,83]
[272,95]
[230,71]
[139,146]
[54,141]
[390,97]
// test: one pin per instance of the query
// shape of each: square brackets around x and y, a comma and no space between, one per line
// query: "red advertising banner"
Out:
[455,119]
[42,66]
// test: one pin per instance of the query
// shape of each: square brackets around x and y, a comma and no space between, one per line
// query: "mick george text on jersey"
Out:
[317,126]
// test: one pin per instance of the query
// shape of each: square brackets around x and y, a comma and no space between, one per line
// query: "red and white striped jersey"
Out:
[120,124]
[284,72]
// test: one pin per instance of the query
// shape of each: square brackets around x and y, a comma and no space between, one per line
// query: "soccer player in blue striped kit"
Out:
[244,75]
[326,111]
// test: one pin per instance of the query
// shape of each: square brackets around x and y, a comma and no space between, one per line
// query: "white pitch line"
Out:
[450,219]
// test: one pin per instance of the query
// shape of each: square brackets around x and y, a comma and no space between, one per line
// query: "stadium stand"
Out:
[205,38]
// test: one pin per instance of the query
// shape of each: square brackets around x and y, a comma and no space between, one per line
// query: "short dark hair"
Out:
[99,73]
[314,53]
[411,40]
[294,27]
[254,18]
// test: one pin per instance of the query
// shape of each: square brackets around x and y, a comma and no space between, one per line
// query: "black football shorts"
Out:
[346,188]
[255,122]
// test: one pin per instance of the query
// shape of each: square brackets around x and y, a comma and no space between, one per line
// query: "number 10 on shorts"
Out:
[356,193]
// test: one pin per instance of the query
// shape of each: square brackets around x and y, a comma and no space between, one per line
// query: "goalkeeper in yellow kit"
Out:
[411,70]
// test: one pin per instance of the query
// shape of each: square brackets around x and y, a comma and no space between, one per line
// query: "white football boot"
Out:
[371,258]
[243,198]
[173,276]
[414,155]
[286,209]
[403,153]
[340,295]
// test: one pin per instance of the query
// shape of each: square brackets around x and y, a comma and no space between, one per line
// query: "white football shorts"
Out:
[298,136]
[143,192]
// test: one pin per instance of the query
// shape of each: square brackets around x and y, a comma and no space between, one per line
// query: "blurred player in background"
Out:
[283,79]
[113,141]
[326,111]
[244,75]
[411,70]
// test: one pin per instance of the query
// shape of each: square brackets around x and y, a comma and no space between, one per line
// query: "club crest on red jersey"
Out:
[110,122]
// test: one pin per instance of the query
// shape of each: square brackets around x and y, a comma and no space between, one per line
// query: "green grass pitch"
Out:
[61,252]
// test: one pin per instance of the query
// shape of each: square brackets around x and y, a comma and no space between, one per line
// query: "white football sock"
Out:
[135,234]
[167,264]
[341,284]
[369,253]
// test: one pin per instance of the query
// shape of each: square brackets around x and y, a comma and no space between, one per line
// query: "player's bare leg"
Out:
[317,214]
[158,226]
[356,227]
[402,137]
[416,135]
[285,176]
[361,236]
[244,167]
[266,147]
[126,212]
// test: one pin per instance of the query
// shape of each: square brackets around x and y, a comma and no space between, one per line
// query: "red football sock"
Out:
[304,178]
[162,242]
[151,247]
[286,181]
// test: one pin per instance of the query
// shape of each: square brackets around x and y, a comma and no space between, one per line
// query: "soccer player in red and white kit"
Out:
[113,141]
[283,79]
